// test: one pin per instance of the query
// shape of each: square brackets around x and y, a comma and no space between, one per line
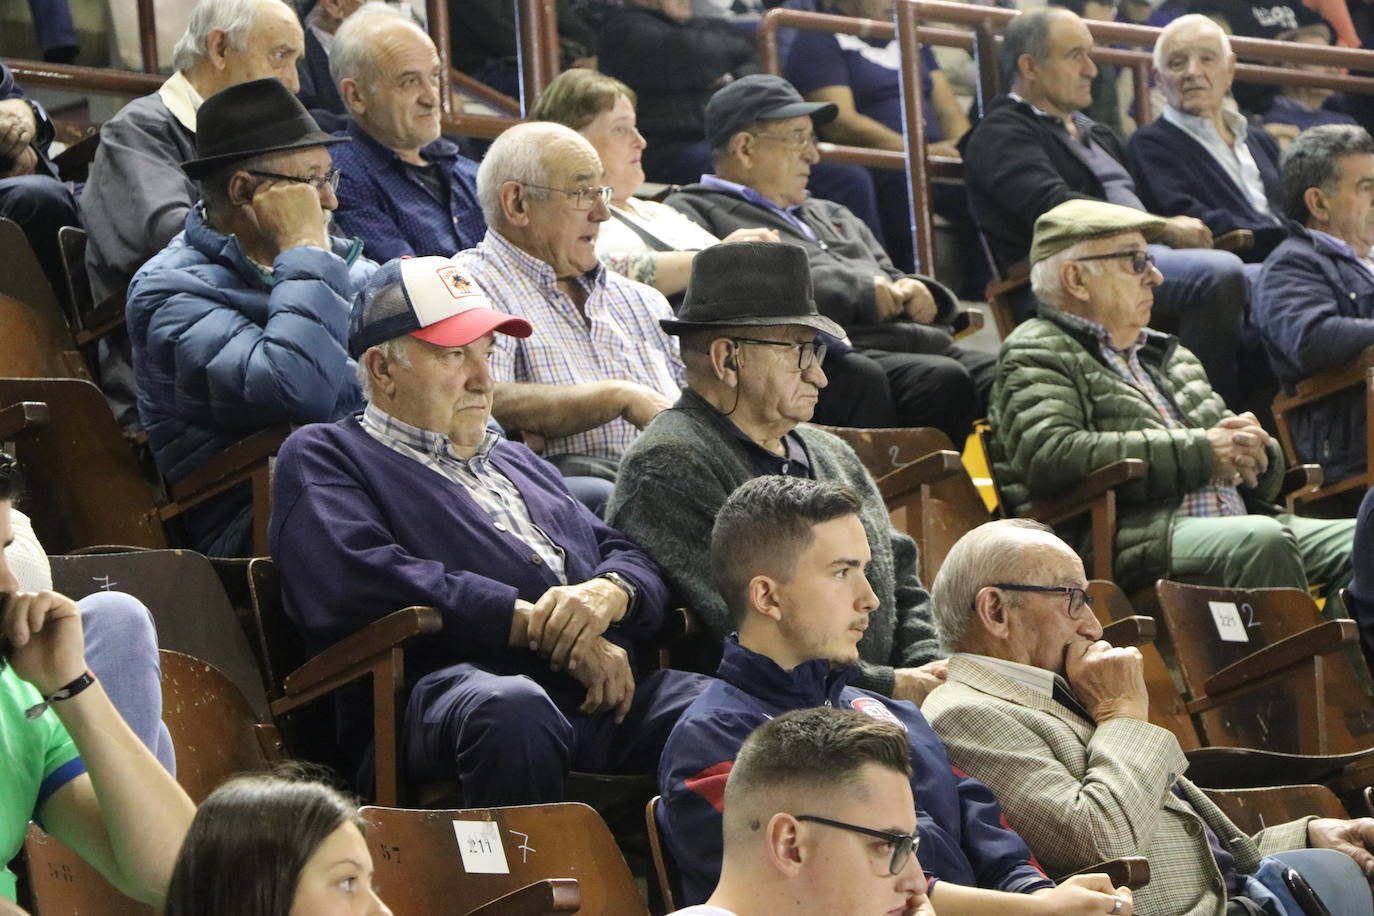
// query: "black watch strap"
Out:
[65,692]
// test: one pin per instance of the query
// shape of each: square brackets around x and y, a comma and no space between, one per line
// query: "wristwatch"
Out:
[626,586]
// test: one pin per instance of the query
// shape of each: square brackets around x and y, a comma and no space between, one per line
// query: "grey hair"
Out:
[1183,22]
[395,352]
[518,155]
[1046,276]
[234,17]
[1028,33]
[1310,161]
[987,554]
[350,55]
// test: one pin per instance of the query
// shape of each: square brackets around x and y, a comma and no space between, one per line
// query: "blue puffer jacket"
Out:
[223,348]
[1315,305]
[963,836]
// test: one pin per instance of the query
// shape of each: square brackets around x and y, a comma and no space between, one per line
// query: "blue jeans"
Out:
[1204,300]
[121,648]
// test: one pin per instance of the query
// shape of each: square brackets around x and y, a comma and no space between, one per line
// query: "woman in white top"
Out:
[644,240]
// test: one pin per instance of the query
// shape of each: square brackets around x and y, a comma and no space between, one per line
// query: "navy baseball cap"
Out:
[759,97]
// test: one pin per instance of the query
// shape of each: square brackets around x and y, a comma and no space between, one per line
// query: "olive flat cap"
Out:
[1076,221]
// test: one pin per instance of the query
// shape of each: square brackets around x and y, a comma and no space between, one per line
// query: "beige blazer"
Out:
[1079,794]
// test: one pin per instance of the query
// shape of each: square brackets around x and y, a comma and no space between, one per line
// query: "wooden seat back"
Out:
[60,882]
[1354,382]
[420,866]
[1262,668]
[665,868]
[188,603]
[215,732]
[35,338]
[82,479]
[1254,809]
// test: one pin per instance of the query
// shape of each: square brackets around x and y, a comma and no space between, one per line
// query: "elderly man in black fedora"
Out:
[241,322]
[753,341]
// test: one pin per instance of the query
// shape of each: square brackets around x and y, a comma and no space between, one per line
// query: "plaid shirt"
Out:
[487,486]
[615,336]
[1212,500]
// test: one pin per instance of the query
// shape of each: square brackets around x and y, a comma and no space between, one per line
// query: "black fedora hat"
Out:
[249,119]
[750,284]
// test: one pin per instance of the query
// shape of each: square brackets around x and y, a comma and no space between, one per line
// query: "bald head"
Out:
[387,70]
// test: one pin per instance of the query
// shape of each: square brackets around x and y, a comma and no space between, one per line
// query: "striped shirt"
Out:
[1211,500]
[615,336]
[483,481]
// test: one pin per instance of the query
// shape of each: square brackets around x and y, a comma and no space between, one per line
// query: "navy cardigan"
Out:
[1176,176]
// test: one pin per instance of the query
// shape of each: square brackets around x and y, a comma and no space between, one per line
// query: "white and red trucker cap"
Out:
[430,298]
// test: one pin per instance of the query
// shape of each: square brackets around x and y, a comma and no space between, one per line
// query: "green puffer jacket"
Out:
[1058,413]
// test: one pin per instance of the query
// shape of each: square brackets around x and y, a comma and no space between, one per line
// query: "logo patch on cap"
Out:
[871,707]
[457,284]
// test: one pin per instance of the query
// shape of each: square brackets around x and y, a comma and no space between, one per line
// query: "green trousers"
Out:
[1264,551]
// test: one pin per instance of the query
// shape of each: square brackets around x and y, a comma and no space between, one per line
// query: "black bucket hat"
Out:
[249,119]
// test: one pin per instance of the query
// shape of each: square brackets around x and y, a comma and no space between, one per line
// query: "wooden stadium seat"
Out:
[60,883]
[90,321]
[665,868]
[85,483]
[1254,809]
[419,857]
[1357,375]
[35,339]
[1262,668]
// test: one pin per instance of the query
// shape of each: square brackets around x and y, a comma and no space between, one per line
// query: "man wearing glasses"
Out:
[859,857]
[763,141]
[598,367]
[754,345]
[1055,721]
[789,557]
[242,321]
[1088,383]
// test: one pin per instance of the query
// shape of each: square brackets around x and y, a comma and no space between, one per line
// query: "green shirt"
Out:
[39,758]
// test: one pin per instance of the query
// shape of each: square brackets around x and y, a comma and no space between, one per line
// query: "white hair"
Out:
[518,155]
[234,17]
[992,552]
[394,350]
[1183,22]
[1046,278]
[350,55]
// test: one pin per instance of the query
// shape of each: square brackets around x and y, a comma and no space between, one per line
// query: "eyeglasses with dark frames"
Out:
[1079,599]
[797,140]
[330,178]
[809,352]
[904,845]
[583,198]
[1140,260]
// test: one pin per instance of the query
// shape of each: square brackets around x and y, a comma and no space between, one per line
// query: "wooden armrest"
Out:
[927,469]
[101,320]
[966,322]
[1076,500]
[1131,631]
[1252,768]
[1301,478]
[229,467]
[1235,240]
[1127,871]
[24,417]
[1325,384]
[1298,649]
[552,895]
[392,631]
[1015,276]
[678,624]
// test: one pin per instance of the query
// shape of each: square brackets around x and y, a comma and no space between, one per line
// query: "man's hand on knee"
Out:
[604,669]
[1353,837]
[567,618]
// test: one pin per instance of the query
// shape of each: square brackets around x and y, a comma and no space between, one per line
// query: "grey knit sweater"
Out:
[677,475]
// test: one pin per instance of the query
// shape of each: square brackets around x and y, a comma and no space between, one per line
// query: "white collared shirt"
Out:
[1035,679]
[1235,158]
[181,99]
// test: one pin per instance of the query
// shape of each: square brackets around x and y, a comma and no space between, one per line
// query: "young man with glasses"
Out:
[858,858]
[598,367]
[789,557]
[242,321]
[1088,383]
[1055,721]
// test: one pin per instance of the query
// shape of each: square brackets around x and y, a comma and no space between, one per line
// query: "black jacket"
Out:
[1018,166]
[672,66]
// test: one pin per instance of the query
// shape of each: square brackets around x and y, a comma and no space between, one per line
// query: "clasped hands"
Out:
[905,298]
[1238,450]
[566,626]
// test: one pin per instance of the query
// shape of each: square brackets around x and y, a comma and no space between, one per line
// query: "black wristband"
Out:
[65,692]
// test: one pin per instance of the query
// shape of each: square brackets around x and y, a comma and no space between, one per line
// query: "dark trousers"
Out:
[509,742]
[41,205]
[1204,299]
[856,394]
